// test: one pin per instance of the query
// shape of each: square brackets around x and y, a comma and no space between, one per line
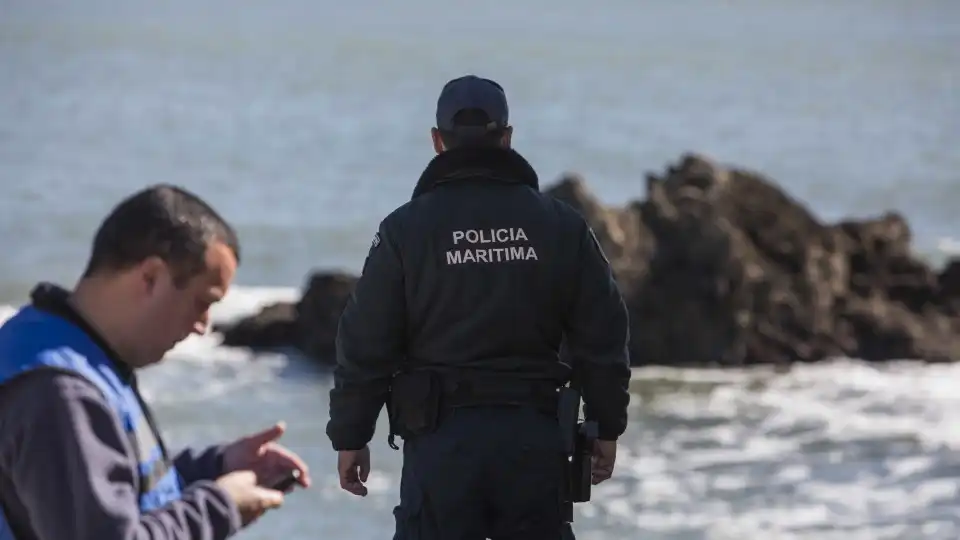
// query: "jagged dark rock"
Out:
[309,325]
[719,266]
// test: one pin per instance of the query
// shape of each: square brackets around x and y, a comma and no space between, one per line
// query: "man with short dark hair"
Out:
[81,457]
[468,295]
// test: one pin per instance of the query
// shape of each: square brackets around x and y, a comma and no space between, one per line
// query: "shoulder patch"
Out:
[376,240]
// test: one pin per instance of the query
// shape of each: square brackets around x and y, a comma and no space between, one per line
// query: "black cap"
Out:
[472,92]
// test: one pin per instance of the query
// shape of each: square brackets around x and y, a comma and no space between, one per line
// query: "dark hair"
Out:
[162,221]
[471,118]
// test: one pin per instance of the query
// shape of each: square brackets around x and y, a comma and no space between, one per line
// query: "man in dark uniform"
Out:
[467,293]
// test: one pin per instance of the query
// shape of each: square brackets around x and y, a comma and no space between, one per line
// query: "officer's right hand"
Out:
[251,499]
[353,466]
[604,458]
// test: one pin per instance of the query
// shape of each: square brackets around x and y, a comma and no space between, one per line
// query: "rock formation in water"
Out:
[720,267]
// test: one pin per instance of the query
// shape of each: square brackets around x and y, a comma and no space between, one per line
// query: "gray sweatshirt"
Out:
[68,472]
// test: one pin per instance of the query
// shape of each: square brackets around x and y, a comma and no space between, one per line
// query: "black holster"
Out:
[414,405]
[577,438]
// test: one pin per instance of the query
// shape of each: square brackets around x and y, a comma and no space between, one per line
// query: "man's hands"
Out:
[253,463]
[251,499]
[604,458]
[353,467]
[261,454]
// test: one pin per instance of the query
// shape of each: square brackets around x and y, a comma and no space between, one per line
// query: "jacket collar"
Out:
[487,163]
[55,300]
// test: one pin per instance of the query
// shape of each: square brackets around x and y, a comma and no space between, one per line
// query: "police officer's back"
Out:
[468,291]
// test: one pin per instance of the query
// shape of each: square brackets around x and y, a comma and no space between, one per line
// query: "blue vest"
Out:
[34,339]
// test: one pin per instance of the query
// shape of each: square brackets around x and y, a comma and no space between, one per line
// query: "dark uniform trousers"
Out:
[491,472]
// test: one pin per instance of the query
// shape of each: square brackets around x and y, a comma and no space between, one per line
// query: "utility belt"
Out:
[420,399]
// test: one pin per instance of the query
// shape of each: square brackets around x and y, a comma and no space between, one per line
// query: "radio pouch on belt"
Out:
[414,404]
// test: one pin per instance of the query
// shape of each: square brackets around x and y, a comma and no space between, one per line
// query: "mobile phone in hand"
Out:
[287,482]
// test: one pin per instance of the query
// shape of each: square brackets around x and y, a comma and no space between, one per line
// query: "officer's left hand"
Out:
[261,454]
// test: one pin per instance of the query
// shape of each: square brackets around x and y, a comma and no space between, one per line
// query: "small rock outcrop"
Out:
[720,267]
[309,325]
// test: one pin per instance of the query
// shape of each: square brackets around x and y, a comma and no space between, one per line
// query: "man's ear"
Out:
[437,140]
[149,273]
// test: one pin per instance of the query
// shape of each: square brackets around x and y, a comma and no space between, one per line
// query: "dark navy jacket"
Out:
[481,272]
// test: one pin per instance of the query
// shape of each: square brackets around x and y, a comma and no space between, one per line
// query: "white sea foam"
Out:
[949,246]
